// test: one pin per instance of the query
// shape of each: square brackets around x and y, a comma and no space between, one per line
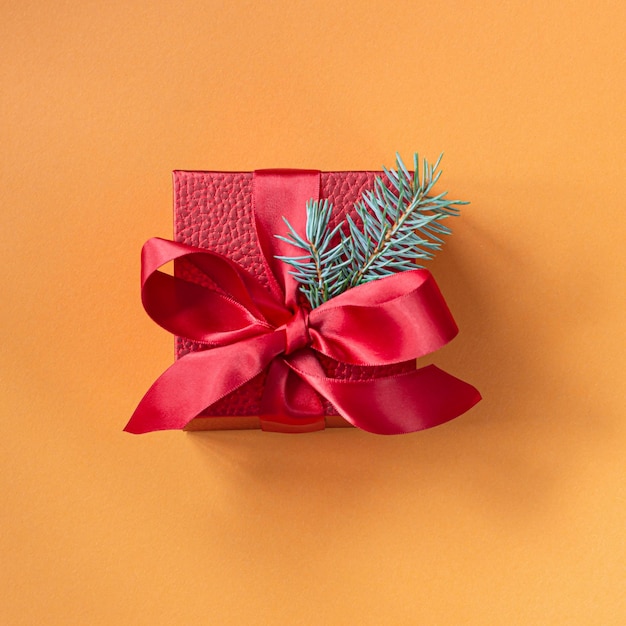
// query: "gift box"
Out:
[213,210]
[247,353]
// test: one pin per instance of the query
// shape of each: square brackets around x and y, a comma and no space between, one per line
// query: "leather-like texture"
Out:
[213,210]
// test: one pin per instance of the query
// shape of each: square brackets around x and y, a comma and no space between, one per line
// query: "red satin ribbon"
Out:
[251,329]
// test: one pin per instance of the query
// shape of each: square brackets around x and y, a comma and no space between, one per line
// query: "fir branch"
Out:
[400,225]
[319,271]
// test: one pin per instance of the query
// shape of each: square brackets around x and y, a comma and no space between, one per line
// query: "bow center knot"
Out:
[297,332]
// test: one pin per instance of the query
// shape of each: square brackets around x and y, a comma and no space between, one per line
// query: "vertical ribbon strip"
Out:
[288,402]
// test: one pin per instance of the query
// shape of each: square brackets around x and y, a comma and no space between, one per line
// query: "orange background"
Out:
[512,514]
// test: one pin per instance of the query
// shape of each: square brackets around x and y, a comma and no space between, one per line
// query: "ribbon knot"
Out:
[297,332]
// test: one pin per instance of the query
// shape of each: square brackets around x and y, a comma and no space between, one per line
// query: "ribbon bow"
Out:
[249,328]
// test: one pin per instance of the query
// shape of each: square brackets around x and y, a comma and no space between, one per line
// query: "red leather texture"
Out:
[213,210]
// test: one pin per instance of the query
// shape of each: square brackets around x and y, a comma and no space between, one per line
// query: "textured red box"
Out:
[213,210]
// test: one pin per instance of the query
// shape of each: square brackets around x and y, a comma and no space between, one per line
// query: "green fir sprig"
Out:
[398,226]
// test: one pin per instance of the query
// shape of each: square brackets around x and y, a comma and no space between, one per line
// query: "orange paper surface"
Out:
[512,514]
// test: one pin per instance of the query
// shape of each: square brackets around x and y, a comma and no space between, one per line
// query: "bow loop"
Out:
[390,320]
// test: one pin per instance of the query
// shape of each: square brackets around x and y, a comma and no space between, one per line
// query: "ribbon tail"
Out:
[199,379]
[399,404]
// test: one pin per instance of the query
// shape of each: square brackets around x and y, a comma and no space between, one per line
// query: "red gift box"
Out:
[214,210]
[251,353]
